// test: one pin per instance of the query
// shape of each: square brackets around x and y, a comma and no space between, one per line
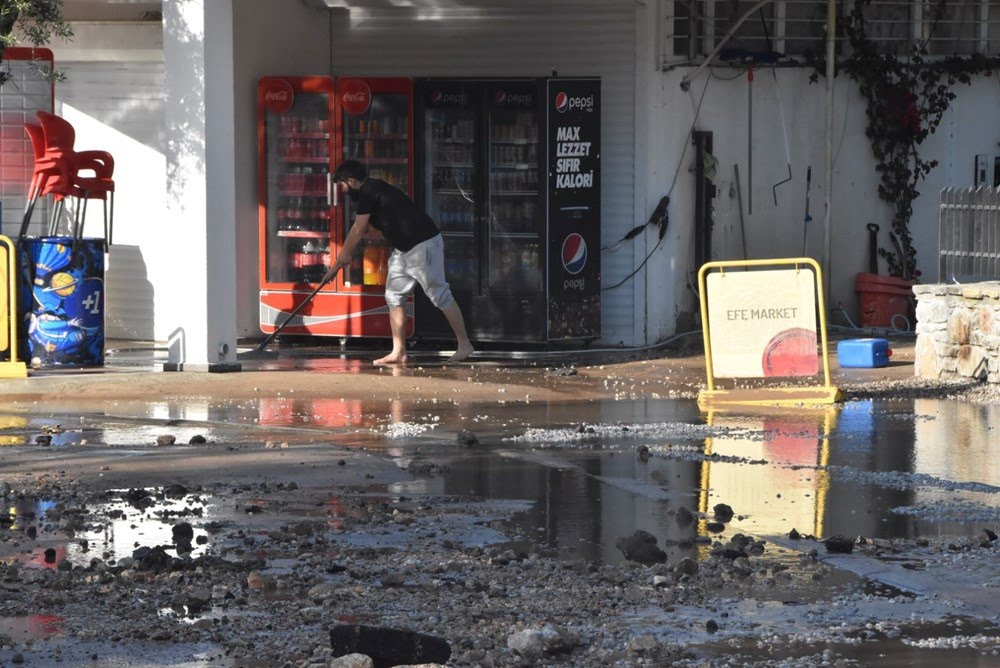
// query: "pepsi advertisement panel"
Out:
[574,203]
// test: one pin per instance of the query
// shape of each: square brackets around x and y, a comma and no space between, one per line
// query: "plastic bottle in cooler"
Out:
[529,257]
[370,263]
[356,272]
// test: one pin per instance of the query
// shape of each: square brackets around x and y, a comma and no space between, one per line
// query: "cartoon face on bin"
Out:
[59,337]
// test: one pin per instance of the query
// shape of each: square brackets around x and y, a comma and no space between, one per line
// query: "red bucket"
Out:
[882,298]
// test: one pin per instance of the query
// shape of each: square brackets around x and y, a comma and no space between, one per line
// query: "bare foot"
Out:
[391,359]
[462,353]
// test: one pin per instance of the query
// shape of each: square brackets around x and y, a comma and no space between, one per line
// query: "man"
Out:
[417,255]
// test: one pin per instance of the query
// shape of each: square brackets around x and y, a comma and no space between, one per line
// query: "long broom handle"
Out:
[270,337]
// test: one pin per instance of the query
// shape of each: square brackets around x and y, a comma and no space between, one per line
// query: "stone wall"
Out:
[958,331]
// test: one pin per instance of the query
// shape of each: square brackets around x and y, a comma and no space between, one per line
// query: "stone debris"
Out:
[723,512]
[166,439]
[388,646]
[641,547]
[839,545]
[351,661]
[536,643]
[467,439]
[684,516]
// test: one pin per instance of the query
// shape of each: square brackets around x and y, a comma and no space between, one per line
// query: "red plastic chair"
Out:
[49,175]
[59,138]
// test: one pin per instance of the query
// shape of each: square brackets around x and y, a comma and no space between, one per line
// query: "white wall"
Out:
[113,96]
[269,38]
[972,125]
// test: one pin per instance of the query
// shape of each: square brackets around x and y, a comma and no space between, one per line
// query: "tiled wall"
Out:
[26,92]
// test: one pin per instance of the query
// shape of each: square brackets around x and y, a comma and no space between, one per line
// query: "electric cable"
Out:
[843,130]
[874,330]
[660,214]
[742,73]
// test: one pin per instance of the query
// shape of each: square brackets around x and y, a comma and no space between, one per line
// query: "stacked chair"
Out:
[61,171]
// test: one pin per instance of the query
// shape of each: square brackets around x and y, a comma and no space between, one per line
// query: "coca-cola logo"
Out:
[355,96]
[277,95]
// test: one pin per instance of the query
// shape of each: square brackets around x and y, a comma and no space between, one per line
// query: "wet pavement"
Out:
[397,491]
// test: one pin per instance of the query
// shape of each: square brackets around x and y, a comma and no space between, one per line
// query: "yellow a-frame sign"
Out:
[10,367]
[762,323]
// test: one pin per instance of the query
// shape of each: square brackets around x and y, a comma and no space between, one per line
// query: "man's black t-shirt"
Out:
[395,215]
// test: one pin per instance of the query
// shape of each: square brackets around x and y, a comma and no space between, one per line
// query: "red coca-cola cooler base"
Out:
[329,314]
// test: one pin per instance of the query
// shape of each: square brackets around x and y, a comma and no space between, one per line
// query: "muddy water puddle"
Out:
[569,482]
[43,533]
[950,641]
[597,471]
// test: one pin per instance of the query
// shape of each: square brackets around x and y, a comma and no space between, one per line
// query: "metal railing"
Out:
[691,28]
[969,241]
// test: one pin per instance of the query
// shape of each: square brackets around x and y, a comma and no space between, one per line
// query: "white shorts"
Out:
[423,264]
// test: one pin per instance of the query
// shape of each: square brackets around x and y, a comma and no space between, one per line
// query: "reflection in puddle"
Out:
[112,529]
[30,628]
[863,469]
[881,469]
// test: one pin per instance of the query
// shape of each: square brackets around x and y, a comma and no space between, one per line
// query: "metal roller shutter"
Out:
[505,38]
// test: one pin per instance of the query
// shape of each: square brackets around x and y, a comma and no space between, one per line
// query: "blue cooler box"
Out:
[863,353]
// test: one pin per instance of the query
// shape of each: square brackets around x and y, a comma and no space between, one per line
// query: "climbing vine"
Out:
[906,97]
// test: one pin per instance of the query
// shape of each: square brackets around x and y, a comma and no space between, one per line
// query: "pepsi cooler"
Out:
[510,171]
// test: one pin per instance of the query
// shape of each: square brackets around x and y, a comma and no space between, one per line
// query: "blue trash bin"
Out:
[62,301]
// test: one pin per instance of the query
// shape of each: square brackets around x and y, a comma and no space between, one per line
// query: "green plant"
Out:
[33,22]
[906,97]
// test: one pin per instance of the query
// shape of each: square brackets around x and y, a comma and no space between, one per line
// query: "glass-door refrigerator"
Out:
[451,184]
[478,156]
[307,126]
[515,188]
[515,226]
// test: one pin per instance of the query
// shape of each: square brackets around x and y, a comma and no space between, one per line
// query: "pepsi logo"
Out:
[566,103]
[574,253]
[500,96]
[455,98]
[562,102]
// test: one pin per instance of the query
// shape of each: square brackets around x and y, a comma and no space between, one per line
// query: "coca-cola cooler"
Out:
[306,126]
[510,170]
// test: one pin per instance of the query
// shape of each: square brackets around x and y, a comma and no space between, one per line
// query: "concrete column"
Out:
[193,268]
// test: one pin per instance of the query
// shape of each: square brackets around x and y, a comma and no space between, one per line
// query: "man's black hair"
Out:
[350,169]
